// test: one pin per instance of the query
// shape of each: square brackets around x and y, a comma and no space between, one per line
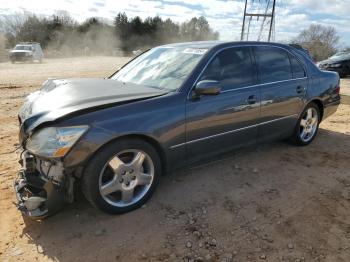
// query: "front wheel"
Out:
[122,176]
[307,126]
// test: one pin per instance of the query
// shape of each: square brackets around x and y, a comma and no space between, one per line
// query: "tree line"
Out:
[62,34]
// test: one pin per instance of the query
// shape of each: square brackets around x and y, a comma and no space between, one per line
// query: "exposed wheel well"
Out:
[320,106]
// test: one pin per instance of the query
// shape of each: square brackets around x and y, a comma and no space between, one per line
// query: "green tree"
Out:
[197,29]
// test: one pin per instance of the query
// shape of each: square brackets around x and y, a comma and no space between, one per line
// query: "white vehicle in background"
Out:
[29,51]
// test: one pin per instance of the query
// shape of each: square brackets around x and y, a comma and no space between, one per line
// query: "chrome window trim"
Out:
[270,83]
[232,131]
[245,87]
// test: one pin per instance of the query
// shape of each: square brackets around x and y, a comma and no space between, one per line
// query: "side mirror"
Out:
[207,87]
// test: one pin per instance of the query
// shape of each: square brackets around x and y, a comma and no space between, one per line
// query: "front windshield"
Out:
[341,55]
[23,47]
[162,67]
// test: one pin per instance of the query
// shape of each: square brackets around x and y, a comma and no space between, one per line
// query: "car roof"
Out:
[218,44]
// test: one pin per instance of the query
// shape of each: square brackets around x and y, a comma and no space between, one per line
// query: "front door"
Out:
[218,123]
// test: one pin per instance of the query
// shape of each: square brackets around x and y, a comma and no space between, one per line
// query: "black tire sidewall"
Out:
[96,164]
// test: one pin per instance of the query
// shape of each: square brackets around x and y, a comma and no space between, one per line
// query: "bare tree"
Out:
[11,23]
[10,26]
[3,53]
[321,41]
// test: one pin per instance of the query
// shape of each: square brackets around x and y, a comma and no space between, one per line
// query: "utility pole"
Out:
[258,20]
[243,25]
[272,19]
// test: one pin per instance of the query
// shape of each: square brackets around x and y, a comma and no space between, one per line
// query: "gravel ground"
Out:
[273,202]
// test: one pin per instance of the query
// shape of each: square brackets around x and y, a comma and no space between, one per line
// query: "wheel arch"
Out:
[150,140]
[320,106]
[153,142]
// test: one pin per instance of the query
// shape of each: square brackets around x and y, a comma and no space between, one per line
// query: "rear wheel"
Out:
[122,176]
[307,126]
[342,74]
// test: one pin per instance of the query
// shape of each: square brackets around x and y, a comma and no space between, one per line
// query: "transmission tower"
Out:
[259,20]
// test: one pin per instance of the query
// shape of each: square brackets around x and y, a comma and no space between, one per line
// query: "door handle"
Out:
[300,89]
[251,99]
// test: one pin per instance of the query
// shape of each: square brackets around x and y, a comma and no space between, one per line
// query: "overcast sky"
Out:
[223,16]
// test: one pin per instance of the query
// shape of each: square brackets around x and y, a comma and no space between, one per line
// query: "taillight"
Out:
[337,90]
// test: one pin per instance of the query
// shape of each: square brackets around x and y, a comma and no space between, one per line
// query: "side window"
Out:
[298,70]
[273,64]
[232,67]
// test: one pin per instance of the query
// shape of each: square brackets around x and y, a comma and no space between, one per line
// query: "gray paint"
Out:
[184,129]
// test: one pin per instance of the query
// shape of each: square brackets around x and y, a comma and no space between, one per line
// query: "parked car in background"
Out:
[29,51]
[340,63]
[168,108]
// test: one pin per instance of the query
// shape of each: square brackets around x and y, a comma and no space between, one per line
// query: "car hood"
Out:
[332,61]
[61,97]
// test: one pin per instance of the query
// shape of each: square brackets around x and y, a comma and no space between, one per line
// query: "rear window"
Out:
[298,70]
[273,64]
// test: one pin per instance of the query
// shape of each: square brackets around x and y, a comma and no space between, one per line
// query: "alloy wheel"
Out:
[308,124]
[126,178]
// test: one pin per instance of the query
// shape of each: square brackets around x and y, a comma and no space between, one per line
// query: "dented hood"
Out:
[60,97]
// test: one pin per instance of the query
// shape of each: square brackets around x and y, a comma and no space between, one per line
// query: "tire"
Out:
[300,137]
[111,175]
[342,75]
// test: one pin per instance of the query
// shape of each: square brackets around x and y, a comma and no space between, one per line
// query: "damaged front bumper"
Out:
[42,188]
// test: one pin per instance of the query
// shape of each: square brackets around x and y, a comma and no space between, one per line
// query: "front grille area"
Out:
[19,54]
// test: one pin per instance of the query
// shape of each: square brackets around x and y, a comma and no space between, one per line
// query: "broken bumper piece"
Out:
[37,196]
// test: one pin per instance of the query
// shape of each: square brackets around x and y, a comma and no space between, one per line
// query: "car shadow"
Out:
[80,232]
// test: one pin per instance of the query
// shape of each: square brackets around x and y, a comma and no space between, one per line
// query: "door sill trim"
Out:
[232,131]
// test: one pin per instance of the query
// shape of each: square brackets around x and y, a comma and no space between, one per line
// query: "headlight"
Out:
[54,141]
[335,65]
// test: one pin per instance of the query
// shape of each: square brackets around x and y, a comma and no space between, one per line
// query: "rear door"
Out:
[283,83]
[228,120]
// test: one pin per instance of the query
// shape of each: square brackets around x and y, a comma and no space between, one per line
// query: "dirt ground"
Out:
[273,202]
